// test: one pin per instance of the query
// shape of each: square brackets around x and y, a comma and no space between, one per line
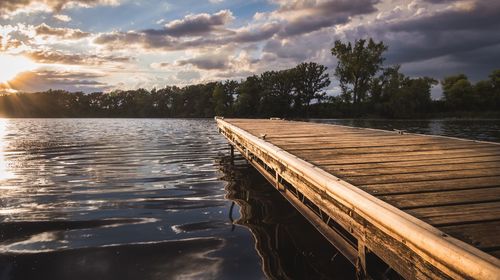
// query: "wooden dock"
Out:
[426,207]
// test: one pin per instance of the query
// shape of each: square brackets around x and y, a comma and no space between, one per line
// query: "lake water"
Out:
[156,199]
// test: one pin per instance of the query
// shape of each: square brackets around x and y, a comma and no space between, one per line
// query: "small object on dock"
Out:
[263,136]
[218,118]
[399,131]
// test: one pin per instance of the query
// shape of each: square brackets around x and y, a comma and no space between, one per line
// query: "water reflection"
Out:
[289,246]
[181,259]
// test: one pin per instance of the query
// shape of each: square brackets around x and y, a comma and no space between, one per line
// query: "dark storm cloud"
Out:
[193,25]
[318,15]
[448,32]
[66,33]
[444,40]
[484,59]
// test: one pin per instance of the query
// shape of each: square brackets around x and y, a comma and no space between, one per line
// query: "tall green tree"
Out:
[458,92]
[219,100]
[310,81]
[230,90]
[277,93]
[387,84]
[495,89]
[249,94]
[357,66]
[395,95]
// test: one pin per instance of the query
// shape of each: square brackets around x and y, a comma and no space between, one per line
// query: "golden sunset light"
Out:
[12,65]
[4,172]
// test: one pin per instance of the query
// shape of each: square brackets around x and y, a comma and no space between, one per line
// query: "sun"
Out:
[11,65]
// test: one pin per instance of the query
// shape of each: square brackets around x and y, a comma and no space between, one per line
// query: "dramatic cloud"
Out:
[305,16]
[56,57]
[10,6]
[451,32]
[294,19]
[66,33]
[194,25]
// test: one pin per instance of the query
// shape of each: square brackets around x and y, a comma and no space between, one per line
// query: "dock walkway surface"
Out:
[424,206]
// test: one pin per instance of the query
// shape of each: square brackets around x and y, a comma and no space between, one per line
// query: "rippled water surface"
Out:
[154,199]
[114,198]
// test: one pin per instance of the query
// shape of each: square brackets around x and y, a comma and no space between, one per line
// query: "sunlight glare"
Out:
[4,172]
[11,65]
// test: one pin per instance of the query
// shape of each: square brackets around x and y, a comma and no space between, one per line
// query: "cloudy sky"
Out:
[95,45]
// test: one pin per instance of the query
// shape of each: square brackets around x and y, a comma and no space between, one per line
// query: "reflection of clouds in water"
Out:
[181,259]
[43,242]
[54,236]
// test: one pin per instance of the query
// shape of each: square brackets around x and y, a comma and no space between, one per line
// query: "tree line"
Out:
[368,89]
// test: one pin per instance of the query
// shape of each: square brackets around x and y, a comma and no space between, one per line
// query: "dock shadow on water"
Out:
[144,199]
[288,245]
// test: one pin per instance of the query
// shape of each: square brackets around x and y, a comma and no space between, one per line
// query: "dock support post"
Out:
[277,178]
[361,271]
[231,148]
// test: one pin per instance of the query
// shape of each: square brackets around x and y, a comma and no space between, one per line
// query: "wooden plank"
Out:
[458,214]
[411,169]
[442,198]
[356,143]
[331,154]
[396,158]
[416,177]
[482,235]
[384,149]
[434,185]
[339,144]
[342,139]
[430,162]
